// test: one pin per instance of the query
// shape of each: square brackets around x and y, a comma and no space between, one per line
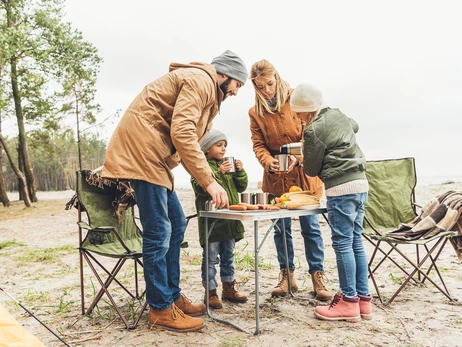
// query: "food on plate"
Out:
[306,192]
[238,207]
[301,197]
[296,199]
[300,203]
[295,189]
[249,206]
[268,207]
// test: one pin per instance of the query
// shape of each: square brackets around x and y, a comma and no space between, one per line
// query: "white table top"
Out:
[252,215]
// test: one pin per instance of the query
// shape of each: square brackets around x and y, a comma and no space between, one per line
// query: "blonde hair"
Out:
[264,68]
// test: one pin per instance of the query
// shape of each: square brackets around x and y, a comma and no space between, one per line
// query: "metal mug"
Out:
[263,198]
[231,161]
[248,198]
[209,206]
[283,160]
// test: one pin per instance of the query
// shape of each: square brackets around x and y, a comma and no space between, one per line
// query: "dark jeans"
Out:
[164,225]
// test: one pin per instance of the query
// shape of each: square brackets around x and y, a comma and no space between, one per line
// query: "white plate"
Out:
[307,207]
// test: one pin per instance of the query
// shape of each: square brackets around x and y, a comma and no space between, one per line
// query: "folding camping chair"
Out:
[107,236]
[392,202]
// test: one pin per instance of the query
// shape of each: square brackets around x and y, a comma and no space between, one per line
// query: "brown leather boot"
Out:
[319,287]
[282,288]
[231,294]
[214,300]
[185,305]
[174,319]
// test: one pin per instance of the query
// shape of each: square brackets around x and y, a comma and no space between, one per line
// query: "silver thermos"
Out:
[294,148]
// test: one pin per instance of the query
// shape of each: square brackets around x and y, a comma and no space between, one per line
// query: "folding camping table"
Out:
[255,216]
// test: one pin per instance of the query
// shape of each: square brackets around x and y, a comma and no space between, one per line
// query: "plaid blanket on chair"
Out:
[439,215]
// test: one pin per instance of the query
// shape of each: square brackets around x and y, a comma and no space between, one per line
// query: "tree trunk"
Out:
[24,152]
[18,173]
[3,194]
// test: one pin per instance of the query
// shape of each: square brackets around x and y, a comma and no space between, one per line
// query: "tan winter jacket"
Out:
[268,134]
[163,125]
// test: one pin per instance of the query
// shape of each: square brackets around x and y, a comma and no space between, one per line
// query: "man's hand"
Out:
[218,194]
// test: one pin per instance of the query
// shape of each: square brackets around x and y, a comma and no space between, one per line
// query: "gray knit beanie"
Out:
[306,98]
[231,65]
[212,137]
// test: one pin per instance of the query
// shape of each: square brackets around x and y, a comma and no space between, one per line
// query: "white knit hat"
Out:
[229,64]
[306,98]
[212,137]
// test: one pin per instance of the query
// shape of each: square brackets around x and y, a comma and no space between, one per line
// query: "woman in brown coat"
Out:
[272,124]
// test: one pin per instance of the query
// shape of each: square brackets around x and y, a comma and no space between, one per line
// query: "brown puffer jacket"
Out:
[268,134]
[163,126]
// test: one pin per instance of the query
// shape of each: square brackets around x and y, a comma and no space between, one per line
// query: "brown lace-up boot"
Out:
[231,294]
[283,286]
[174,319]
[319,287]
[185,305]
[214,300]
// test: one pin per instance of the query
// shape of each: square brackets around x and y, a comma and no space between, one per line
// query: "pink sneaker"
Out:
[365,306]
[340,308]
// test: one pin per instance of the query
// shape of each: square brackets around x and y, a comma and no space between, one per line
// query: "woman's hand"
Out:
[274,166]
[292,162]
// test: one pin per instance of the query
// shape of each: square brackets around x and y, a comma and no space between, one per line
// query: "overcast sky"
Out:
[393,66]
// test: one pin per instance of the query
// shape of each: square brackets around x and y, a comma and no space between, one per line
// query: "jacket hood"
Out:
[208,68]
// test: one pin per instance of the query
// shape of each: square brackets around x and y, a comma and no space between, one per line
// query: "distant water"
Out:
[426,180]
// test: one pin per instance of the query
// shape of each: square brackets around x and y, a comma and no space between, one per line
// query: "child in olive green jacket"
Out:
[225,232]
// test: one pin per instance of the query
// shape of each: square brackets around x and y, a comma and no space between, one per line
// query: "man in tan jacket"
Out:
[161,128]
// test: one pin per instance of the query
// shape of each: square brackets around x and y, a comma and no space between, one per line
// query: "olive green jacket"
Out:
[331,151]
[232,183]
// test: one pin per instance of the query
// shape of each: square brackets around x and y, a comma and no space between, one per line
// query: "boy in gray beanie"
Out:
[225,233]
[213,137]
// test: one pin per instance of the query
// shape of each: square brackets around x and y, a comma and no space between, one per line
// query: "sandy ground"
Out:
[419,316]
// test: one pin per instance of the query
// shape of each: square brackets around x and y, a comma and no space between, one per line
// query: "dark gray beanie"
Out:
[212,137]
[231,65]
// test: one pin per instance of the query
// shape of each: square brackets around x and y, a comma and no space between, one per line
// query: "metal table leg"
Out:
[209,313]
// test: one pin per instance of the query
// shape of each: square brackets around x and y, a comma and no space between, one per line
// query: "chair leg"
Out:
[417,268]
[105,290]
[105,286]
[143,308]
[386,255]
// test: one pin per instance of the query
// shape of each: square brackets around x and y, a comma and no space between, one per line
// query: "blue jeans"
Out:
[346,214]
[312,238]
[226,251]
[164,225]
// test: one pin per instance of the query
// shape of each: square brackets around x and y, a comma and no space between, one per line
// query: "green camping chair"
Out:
[392,202]
[107,237]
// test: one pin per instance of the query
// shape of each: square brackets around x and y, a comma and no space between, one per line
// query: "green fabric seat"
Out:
[110,235]
[99,205]
[391,202]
